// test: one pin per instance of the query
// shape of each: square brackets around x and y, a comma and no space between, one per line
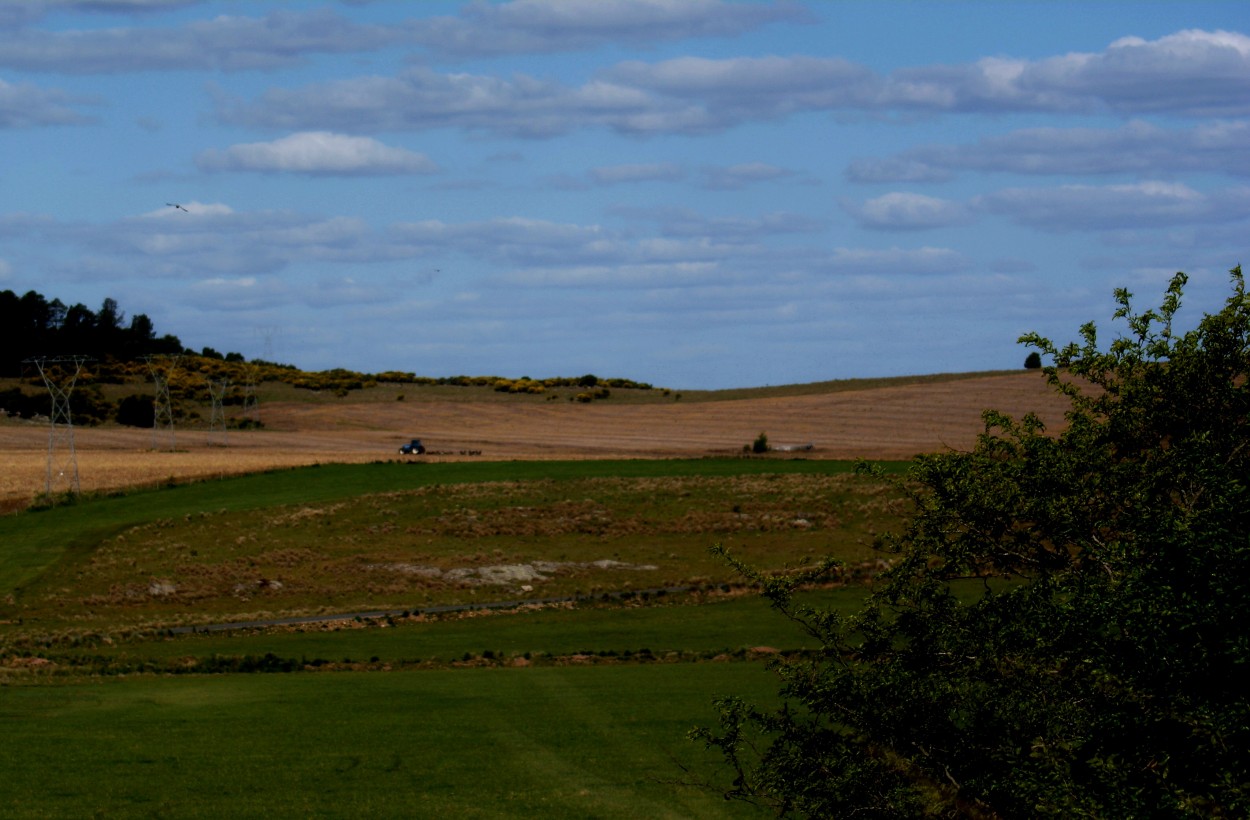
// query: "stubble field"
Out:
[895,421]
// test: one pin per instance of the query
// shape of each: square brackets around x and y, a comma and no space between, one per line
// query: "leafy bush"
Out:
[15,402]
[1063,628]
[136,411]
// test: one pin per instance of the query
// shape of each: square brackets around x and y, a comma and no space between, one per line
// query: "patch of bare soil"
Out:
[895,422]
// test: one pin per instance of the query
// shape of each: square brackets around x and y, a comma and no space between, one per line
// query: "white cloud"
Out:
[896,169]
[687,95]
[1109,207]
[530,243]
[599,277]
[513,240]
[900,261]
[212,241]
[181,210]
[238,293]
[317,152]
[684,222]
[422,99]
[1188,73]
[903,211]
[693,95]
[111,6]
[702,94]
[13,15]
[638,172]
[337,291]
[27,106]
[1200,73]
[1135,147]
[229,43]
[733,177]
[215,239]
[1191,73]
[535,26]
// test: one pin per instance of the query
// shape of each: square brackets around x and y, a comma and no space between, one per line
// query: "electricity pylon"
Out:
[251,403]
[59,374]
[217,417]
[162,368]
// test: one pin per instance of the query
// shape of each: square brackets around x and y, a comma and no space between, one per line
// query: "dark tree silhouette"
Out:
[31,325]
[1063,631]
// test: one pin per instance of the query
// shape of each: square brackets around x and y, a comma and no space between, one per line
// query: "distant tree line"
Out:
[525,384]
[32,325]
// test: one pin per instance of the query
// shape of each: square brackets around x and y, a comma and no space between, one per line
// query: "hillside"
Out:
[891,419]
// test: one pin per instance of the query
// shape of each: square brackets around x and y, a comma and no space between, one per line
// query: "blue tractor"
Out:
[413,448]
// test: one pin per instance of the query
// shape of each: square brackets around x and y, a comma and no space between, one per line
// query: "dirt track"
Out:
[886,423]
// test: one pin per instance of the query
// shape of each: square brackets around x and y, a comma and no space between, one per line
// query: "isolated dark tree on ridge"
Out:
[1063,632]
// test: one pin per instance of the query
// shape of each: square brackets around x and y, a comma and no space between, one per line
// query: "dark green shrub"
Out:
[136,411]
[1062,629]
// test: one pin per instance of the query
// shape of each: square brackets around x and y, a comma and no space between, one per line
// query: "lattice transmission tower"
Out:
[59,374]
[162,368]
[253,376]
[217,416]
[251,404]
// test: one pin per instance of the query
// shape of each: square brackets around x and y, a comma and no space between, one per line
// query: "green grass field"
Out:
[344,538]
[537,742]
[577,710]
[686,627]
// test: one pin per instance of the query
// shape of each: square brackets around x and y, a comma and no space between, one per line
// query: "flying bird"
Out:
[176,205]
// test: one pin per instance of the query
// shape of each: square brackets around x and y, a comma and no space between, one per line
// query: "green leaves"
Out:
[1062,630]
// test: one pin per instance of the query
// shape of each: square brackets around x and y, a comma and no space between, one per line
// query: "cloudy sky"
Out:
[693,193]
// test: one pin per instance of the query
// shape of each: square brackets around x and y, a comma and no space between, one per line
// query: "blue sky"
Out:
[692,193]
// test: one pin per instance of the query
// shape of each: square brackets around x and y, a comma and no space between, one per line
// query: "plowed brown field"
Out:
[892,422]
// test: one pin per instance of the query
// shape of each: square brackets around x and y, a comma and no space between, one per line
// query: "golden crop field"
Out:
[889,422]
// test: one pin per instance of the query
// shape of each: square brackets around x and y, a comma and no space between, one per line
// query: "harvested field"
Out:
[893,422]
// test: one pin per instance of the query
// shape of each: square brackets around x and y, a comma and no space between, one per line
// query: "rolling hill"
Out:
[881,419]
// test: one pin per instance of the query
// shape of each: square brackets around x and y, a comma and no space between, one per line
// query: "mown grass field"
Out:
[566,710]
[589,741]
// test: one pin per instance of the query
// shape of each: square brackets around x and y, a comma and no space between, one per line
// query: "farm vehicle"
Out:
[413,448]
